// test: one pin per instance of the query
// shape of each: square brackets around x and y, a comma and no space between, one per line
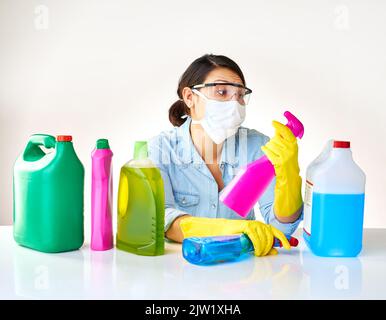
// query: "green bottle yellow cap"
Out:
[140,150]
[102,144]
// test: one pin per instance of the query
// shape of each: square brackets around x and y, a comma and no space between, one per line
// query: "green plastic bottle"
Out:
[141,206]
[48,195]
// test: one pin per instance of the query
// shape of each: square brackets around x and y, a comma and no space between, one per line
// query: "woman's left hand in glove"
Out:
[282,151]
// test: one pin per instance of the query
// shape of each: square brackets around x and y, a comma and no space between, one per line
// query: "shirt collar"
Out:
[230,150]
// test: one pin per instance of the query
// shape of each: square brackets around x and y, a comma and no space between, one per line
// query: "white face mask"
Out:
[222,119]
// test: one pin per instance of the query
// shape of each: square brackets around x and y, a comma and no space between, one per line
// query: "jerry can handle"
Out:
[32,151]
[45,140]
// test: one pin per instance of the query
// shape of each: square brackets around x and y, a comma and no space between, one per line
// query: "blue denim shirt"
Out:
[189,185]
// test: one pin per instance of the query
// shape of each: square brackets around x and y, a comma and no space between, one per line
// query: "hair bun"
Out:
[177,111]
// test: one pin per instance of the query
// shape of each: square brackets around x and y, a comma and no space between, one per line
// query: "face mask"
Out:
[222,119]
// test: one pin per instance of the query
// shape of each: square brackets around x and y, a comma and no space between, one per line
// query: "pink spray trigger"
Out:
[246,188]
[294,124]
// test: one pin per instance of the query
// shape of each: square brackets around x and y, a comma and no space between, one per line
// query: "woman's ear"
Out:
[187,96]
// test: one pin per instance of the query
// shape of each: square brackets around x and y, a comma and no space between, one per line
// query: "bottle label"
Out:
[308,207]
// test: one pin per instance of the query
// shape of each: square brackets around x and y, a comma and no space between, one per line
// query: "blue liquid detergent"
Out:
[336,225]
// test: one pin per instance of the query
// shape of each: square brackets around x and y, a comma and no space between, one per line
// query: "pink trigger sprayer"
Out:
[242,193]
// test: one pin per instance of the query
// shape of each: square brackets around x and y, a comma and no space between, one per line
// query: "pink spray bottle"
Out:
[242,193]
[101,197]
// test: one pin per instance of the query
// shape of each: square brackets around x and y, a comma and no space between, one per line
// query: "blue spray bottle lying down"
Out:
[211,250]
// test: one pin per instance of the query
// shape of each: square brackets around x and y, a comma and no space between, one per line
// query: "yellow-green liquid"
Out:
[141,210]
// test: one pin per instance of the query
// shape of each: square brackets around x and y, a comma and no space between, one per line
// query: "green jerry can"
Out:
[48,195]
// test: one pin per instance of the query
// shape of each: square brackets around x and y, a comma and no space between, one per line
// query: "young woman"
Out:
[207,146]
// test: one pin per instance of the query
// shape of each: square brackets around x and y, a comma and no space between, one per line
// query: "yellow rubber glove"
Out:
[282,151]
[261,235]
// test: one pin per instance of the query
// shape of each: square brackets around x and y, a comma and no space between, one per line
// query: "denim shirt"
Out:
[189,185]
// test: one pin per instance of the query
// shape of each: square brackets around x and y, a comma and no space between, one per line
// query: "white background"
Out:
[110,69]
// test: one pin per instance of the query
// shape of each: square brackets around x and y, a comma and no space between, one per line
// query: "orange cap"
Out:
[64,138]
[341,144]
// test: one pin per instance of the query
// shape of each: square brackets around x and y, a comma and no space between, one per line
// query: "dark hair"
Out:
[196,74]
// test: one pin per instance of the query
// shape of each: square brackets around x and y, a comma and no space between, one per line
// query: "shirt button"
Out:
[183,201]
[213,206]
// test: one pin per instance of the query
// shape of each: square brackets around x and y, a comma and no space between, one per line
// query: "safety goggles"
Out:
[225,91]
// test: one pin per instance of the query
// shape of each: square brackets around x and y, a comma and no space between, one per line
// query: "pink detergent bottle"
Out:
[242,193]
[101,197]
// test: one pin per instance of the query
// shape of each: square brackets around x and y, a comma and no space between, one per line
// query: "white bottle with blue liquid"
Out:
[334,203]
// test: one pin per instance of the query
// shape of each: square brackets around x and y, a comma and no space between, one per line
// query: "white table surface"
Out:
[114,274]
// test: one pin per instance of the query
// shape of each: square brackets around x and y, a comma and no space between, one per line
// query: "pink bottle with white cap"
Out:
[102,197]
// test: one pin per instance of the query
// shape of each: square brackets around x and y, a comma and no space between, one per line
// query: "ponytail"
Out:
[176,111]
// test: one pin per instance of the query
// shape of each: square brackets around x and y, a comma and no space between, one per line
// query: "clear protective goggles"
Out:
[225,91]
